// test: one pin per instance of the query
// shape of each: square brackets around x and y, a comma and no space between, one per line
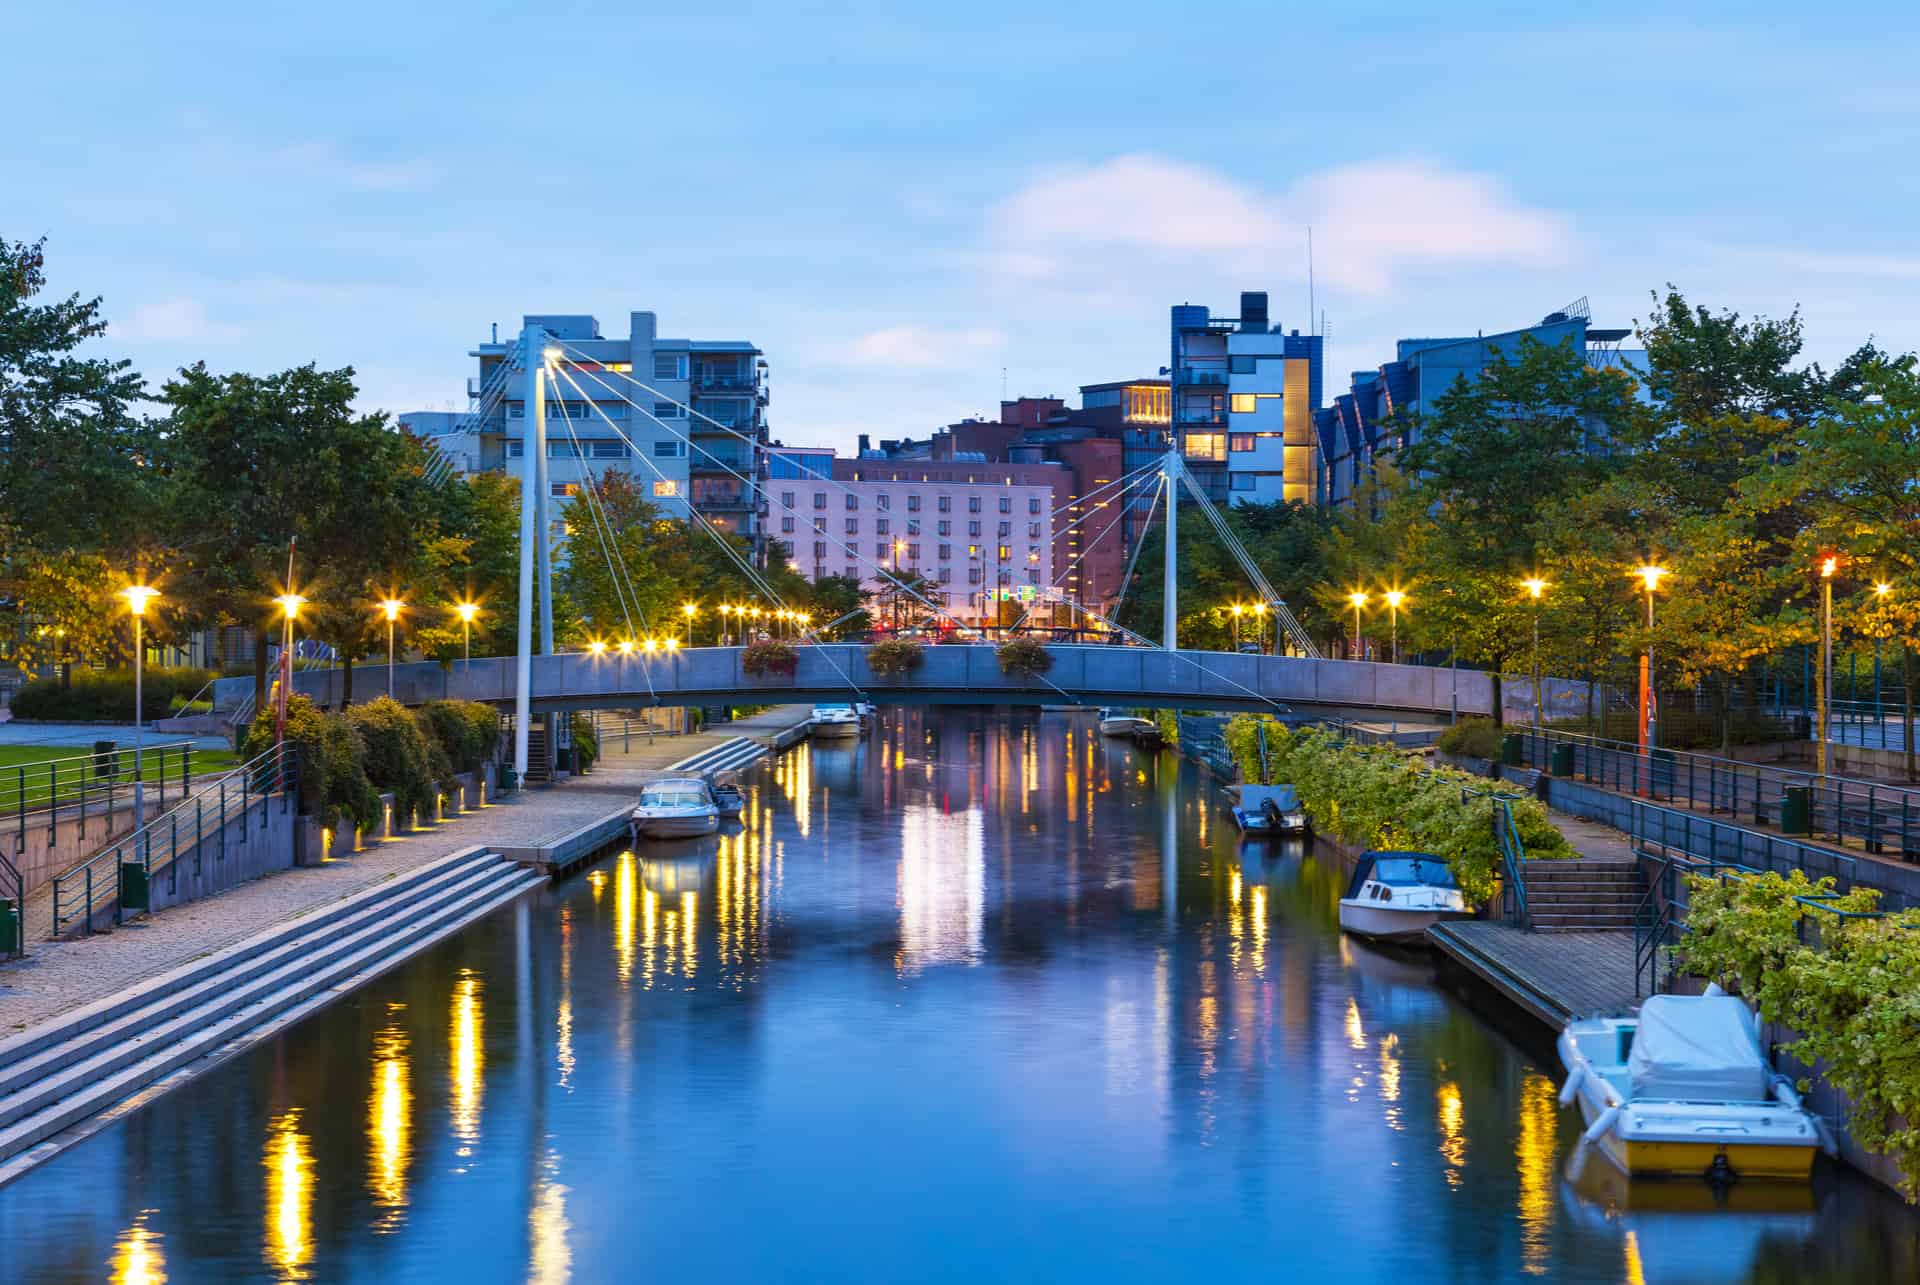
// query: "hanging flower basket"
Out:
[895,657]
[1024,658]
[767,658]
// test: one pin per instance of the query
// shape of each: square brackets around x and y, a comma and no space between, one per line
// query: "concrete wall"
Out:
[252,843]
[48,850]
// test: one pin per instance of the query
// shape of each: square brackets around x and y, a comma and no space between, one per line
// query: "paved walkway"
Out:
[59,975]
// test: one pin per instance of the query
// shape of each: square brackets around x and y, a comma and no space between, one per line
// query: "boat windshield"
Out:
[673,794]
[1402,871]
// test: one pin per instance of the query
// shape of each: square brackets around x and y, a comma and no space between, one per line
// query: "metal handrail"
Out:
[35,785]
[1506,834]
[87,888]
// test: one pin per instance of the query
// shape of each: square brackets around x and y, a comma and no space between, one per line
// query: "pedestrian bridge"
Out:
[949,674]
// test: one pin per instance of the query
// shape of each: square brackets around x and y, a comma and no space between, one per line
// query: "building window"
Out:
[883,526]
[665,487]
[516,410]
[882,551]
[786,499]
[669,410]
[1206,446]
[1240,441]
[1244,404]
[946,553]
[883,502]
[913,553]
[973,504]
[1033,577]
[975,575]
[1033,530]
[913,504]
[563,450]
[913,526]
[945,526]
[819,499]
[946,575]
[1241,482]
[819,550]
[605,449]
[1033,504]
[786,526]
[946,504]
[565,490]
[1242,365]
[853,526]
[1005,553]
[820,525]
[516,450]
[850,550]
[973,528]
[1006,529]
[1006,504]
[669,365]
[853,502]
[666,450]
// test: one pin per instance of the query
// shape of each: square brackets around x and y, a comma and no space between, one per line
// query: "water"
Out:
[930,1017]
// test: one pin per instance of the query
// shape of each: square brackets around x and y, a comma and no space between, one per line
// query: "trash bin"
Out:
[105,761]
[563,758]
[1510,749]
[133,887]
[1803,727]
[507,780]
[9,927]
[1563,760]
[1796,809]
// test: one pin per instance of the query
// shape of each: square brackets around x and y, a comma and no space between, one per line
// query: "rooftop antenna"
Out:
[1003,383]
[496,332]
[1311,314]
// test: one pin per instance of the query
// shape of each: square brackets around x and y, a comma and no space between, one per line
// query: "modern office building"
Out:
[1378,414]
[982,533]
[1243,398]
[686,417]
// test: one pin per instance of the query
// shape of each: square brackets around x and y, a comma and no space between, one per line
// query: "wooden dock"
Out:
[1555,977]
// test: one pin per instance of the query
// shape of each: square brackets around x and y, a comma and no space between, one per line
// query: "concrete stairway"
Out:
[81,1063]
[1587,895]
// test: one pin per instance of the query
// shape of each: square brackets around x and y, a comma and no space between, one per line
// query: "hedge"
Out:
[586,743]
[467,730]
[1474,738]
[106,695]
[1379,798]
[329,759]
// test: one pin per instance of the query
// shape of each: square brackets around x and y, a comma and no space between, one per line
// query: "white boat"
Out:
[1117,722]
[1683,1088]
[675,807]
[1269,809]
[727,795]
[1397,896]
[835,720]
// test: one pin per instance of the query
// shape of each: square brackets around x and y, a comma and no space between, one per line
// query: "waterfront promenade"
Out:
[62,974]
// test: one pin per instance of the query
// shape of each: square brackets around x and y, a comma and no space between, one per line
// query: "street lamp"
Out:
[138,597]
[1260,621]
[1829,564]
[626,646]
[393,607]
[597,647]
[467,611]
[720,627]
[689,610]
[1650,576]
[1535,588]
[1358,599]
[1236,609]
[1394,598]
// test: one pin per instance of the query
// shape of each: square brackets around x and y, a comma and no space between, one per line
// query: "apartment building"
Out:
[1243,400]
[686,417]
[981,532]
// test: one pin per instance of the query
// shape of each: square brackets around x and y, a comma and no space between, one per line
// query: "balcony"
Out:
[707,381]
[1190,378]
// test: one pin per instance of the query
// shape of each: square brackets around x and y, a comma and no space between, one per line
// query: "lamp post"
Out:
[1824,679]
[1236,609]
[1260,627]
[1394,598]
[138,597]
[1535,587]
[1358,599]
[720,624]
[1650,577]
[1880,591]
[597,647]
[289,604]
[467,611]
[393,607]
[689,611]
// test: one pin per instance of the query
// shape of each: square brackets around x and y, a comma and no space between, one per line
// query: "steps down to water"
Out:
[76,1065]
[1588,895]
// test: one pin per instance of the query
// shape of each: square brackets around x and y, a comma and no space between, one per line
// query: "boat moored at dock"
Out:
[1269,809]
[1396,896]
[676,807]
[835,721]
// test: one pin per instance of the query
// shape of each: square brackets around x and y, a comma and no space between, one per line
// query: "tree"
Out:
[1287,542]
[473,556]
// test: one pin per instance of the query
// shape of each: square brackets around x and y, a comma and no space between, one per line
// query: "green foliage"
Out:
[1380,798]
[1024,658]
[1287,541]
[1477,738]
[1168,721]
[105,696]
[466,730]
[330,760]
[400,760]
[769,656]
[1853,995]
[893,657]
[586,743]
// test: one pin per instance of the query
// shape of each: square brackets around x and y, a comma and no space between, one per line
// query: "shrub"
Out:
[1474,738]
[1849,996]
[105,696]
[398,758]
[466,730]
[1381,798]
[769,657]
[586,744]
[1024,657]
[328,758]
[895,656]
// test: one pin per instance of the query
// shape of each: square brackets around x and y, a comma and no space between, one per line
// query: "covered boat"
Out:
[1397,896]
[1269,809]
[835,720]
[727,794]
[1119,722]
[1684,1088]
[675,807]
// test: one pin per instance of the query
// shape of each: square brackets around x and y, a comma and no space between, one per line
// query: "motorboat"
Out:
[836,720]
[1683,1088]
[676,807]
[1397,896]
[1269,809]
[1118,722]
[728,796]
[866,710]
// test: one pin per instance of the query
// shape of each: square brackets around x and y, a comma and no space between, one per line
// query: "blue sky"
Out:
[897,204]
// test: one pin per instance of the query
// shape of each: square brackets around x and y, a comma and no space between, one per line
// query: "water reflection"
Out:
[943,886]
[1451,1117]
[137,1256]
[389,1117]
[1533,1153]
[549,1252]
[467,1062]
[289,1164]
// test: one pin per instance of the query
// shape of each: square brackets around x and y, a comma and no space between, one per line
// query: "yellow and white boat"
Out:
[1684,1090]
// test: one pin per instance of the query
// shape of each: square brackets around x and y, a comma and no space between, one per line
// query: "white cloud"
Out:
[168,321]
[1373,223]
[909,347]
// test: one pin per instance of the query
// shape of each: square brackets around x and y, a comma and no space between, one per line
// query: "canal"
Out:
[980,997]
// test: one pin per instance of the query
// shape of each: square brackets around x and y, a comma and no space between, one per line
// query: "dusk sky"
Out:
[897,203]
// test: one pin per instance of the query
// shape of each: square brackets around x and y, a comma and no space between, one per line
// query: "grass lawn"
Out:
[39,773]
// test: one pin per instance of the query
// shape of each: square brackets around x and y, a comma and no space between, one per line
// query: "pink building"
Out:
[981,532]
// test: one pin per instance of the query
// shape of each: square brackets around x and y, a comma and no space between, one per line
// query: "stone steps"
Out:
[81,1063]
[1587,895]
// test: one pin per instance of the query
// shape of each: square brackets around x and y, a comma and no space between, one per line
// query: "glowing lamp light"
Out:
[1534,586]
[673,644]
[1829,565]
[393,607]
[597,647]
[290,604]
[626,646]
[1357,599]
[467,611]
[1882,589]
[689,610]
[651,645]
[550,353]
[1394,598]
[137,596]
[1650,575]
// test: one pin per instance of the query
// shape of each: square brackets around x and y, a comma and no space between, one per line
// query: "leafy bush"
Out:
[101,696]
[586,743]
[895,656]
[1380,798]
[1025,657]
[1474,738]
[768,656]
[1853,996]
[328,759]
[1168,721]
[466,730]
[398,758]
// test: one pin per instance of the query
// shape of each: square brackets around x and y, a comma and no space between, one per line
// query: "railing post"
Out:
[199,833]
[53,802]
[220,852]
[89,871]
